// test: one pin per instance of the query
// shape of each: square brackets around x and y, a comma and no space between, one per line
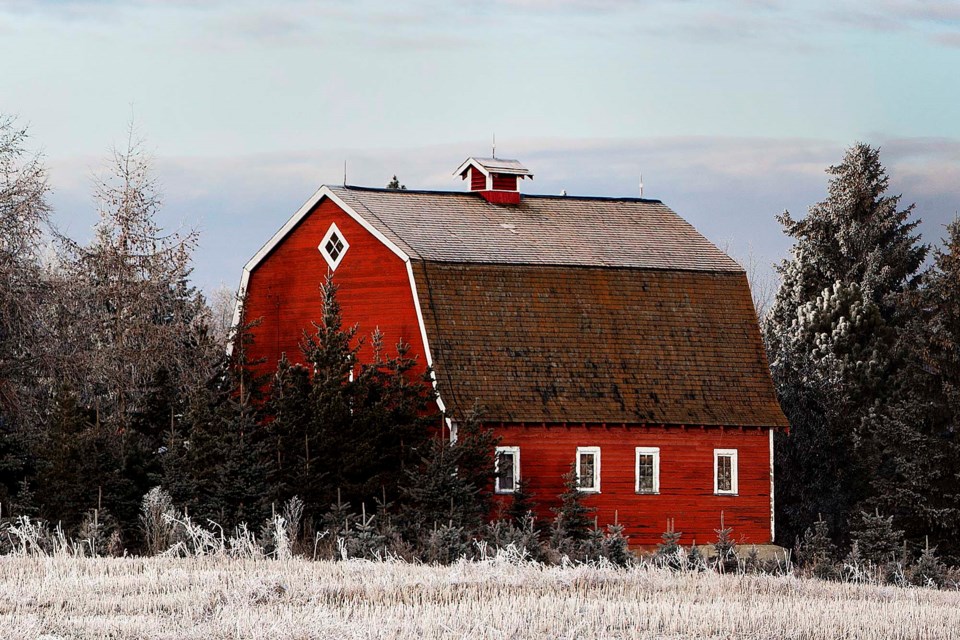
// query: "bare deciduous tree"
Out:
[23,221]
[222,302]
[128,314]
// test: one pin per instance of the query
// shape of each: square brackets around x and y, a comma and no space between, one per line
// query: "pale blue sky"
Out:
[730,109]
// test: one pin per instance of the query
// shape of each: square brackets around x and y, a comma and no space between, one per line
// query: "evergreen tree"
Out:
[923,495]
[452,483]
[345,428]
[522,505]
[217,457]
[572,523]
[395,184]
[85,465]
[876,540]
[833,338]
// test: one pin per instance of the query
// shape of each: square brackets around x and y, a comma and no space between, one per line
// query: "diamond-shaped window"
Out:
[333,246]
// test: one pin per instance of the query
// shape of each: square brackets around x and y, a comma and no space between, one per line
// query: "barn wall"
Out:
[686,478]
[374,290]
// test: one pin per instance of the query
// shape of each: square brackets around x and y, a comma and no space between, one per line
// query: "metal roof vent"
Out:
[495,179]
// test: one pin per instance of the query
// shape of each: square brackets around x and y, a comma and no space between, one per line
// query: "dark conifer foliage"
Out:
[216,458]
[850,339]
[346,429]
[572,523]
[452,483]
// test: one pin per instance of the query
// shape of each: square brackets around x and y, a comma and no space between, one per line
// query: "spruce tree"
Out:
[451,485]
[572,523]
[924,495]
[341,427]
[216,459]
[833,338]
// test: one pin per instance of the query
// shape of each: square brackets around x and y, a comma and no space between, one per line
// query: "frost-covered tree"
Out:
[23,292]
[25,347]
[926,492]
[128,315]
[939,312]
[833,336]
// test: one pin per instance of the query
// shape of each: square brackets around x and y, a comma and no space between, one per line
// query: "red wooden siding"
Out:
[504,183]
[686,478]
[374,290]
[478,181]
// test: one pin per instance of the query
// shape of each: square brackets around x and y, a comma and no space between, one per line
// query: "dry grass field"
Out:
[68,597]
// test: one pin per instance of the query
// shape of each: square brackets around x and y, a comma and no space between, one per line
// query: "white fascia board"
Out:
[238,310]
[423,333]
[470,162]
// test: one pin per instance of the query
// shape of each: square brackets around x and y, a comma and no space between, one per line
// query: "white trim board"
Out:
[595,451]
[773,513]
[647,451]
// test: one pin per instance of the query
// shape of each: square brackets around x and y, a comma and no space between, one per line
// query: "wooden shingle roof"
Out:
[614,345]
[566,309]
[558,230]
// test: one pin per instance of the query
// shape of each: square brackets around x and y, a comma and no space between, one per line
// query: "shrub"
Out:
[725,548]
[447,544]
[669,552]
[816,551]
[615,547]
[522,537]
[928,571]
[156,520]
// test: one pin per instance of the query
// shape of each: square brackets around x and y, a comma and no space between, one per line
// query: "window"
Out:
[507,469]
[648,470]
[333,246]
[725,471]
[588,469]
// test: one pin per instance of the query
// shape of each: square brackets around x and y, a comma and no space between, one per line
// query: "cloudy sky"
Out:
[730,109]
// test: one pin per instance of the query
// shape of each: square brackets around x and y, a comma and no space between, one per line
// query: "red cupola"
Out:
[495,179]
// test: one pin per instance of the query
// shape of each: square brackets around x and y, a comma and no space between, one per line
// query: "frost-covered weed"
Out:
[156,520]
[219,597]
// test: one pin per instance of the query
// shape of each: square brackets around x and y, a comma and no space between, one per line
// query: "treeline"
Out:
[107,352]
[114,380]
[864,346]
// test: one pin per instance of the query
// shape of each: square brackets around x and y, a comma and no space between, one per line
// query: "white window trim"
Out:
[734,472]
[322,246]
[596,468]
[516,468]
[647,451]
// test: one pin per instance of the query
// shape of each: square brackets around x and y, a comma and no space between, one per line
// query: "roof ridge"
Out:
[353,187]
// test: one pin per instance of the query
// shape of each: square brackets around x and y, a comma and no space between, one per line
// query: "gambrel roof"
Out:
[573,310]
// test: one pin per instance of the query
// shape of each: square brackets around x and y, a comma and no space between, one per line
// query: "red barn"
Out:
[604,333]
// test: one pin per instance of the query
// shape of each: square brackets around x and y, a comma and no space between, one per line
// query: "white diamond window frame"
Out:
[333,261]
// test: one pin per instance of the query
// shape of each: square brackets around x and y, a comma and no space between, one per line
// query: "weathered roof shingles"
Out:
[574,310]
[558,230]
